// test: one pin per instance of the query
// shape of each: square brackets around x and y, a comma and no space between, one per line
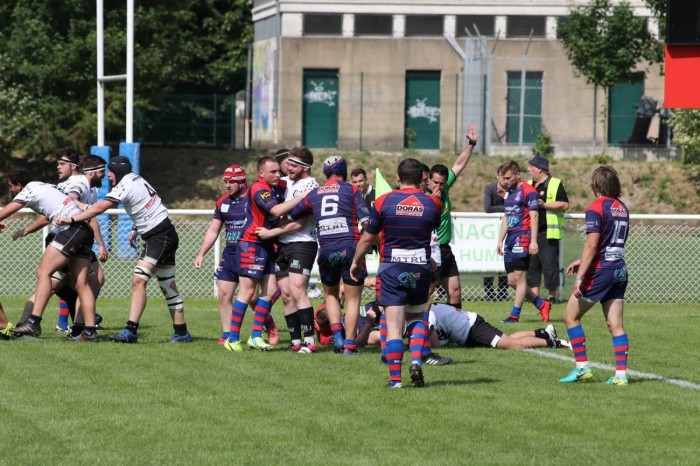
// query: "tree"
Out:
[605,44]
[48,66]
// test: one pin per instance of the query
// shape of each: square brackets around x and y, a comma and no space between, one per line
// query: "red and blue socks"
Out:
[621,347]
[394,359]
[426,344]
[515,313]
[237,314]
[63,314]
[382,335]
[417,334]
[577,338]
[262,309]
[275,296]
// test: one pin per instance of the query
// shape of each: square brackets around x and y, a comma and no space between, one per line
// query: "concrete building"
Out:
[388,75]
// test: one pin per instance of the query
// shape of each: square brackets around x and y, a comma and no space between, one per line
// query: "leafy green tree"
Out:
[605,43]
[48,66]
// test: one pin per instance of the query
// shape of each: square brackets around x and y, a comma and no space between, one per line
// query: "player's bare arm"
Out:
[286,227]
[210,238]
[6,212]
[501,236]
[534,217]
[466,153]
[37,225]
[363,247]
[590,248]
[92,211]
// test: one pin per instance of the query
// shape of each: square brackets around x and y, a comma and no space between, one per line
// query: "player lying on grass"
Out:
[367,326]
[463,328]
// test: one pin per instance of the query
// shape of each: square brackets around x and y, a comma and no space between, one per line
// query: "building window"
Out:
[373,25]
[531,113]
[324,25]
[486,24]
[520,26]
[424,25]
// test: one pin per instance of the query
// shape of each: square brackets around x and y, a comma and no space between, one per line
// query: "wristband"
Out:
[577,279]
[471,143]
[72,220]
[87,206]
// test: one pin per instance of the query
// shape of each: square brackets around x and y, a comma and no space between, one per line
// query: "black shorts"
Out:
[483,334]
[160,244]
[520,263]
[448,265]
[297,257]
[545,262]
[75,241]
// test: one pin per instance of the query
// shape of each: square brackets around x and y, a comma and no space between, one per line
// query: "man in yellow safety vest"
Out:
[553,202]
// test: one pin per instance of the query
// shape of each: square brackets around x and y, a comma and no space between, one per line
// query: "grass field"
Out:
[155,403]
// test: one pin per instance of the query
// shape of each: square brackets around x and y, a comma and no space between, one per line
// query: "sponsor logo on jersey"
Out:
[410,206]
[618,210]
[329,188]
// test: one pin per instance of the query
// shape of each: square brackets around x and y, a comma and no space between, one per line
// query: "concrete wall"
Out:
[373,104]
[380,93]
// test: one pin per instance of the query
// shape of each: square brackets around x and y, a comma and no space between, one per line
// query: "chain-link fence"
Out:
[203,119]
[662,256]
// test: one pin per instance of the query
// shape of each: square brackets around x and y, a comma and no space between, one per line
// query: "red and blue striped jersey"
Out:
[261,198]
[406,218]
[609,217]
[338,209]
[518,203]
[231,211]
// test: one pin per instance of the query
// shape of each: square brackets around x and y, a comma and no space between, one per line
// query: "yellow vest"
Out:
[555,218]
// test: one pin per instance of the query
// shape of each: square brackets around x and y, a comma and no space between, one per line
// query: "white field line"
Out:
[639,375]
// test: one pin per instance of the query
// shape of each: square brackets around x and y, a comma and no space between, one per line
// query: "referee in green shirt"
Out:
[440,181]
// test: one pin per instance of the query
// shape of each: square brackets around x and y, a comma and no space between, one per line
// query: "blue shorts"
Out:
[403,284]
[334,263]
[605,284]
[516,260]
[227,270]
[255,260]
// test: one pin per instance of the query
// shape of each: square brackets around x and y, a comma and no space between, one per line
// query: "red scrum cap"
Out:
[236,173]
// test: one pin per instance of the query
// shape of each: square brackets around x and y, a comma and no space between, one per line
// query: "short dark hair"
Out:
[303,154]
[264,160]
[410,172]
[605,182]
[68,155]
[93,161]
[281,154]
[440,169]
[511,166]
[20,175]
[358,172]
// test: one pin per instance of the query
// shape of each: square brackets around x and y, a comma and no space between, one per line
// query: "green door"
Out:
[622,109]
[532,115]
[422,124]
[320,108]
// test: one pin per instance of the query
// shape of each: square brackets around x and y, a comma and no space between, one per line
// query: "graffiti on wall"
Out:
[421,110]
[320,95]
[263,90]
